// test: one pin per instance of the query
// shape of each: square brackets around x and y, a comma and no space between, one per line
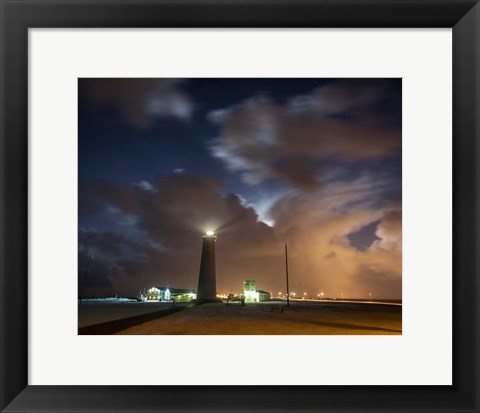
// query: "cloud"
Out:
[315,224]
[316,227]
[145,185]
[390,231]
[139,100]
[172,220]
[298,172]
[330,154]
[97,266]
[263,139]
[341,96]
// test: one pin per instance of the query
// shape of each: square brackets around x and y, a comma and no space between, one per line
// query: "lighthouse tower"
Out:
[207,283]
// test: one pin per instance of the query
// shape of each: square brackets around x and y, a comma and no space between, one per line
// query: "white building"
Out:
[252,295]
[168,293]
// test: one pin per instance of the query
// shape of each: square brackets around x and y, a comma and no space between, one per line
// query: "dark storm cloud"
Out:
[336,120]
[87,202]
[299,172]
[96,261]
[139,100]
[171,220]
[92,196]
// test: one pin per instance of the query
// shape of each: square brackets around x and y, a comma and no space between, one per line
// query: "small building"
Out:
[263,295]
[168,294]
[251,293]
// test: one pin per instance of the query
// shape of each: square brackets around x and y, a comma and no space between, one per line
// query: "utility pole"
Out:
[286,273]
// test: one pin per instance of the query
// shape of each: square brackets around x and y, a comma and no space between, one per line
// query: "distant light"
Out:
[210,233]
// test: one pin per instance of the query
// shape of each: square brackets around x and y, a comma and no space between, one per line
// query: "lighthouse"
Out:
[207,282]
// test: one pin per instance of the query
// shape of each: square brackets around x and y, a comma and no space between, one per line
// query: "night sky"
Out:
[314,163]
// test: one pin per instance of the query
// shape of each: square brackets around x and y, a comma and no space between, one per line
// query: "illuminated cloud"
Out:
[262,139]
[316,226]
[390,231]
[145,185]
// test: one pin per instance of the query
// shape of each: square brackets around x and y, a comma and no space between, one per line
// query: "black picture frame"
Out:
[17,16]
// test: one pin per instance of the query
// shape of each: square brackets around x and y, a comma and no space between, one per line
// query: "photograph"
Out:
[240,206]
[273,180]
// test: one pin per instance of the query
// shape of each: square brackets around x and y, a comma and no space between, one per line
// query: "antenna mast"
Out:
[286,273]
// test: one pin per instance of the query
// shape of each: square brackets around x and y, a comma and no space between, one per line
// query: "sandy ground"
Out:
[90,313]
[337,318]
